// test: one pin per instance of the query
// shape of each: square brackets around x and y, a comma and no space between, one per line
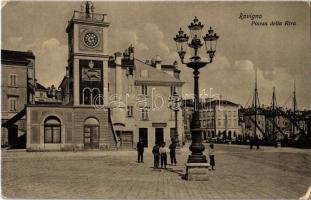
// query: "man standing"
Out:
[140,150]
[173,151]
[156,156]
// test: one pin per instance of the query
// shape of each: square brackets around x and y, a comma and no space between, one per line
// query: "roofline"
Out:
[29,54]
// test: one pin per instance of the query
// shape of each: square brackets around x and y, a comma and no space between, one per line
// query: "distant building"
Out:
[17,89]
[218,119]
[187,116]
[46,95]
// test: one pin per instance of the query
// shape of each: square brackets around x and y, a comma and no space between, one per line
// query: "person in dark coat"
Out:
[211,154]
[140,150]
[156,156]
[251,142]
[172,148]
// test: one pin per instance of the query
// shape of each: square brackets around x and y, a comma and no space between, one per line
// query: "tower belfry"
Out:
[87,7]
[87,57]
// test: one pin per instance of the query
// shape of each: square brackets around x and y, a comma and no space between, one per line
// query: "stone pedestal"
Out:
[197,171]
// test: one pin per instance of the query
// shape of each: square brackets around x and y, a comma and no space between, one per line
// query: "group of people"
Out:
[160,152]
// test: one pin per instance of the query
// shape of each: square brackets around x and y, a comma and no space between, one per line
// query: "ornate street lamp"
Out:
[195,62]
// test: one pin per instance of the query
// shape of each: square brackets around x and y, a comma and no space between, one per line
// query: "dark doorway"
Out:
[12,136]
[159,138]
[143,135]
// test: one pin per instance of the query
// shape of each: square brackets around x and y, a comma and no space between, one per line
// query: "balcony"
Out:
[90,17]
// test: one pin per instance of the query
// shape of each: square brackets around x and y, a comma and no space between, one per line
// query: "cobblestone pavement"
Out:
[240,173]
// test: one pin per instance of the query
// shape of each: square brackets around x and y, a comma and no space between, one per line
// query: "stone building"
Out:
[219,118]
[77,123]
[107,102]
[17,89]
[138,99]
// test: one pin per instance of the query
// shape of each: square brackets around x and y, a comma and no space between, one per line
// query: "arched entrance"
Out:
[91,133]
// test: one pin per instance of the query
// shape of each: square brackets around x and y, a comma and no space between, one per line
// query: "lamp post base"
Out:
[197,171]
[197,159]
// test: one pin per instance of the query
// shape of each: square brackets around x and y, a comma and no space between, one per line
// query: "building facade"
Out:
[139,100]
[77,123]
[107,102]
[219,118]
[17,89]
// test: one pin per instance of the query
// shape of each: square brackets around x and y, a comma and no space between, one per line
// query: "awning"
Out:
[14,119]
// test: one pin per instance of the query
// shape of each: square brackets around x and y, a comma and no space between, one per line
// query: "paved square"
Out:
[240,173]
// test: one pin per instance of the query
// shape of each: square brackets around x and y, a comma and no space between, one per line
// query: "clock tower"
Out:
[87,73]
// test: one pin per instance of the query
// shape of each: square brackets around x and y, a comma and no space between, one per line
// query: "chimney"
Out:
[158,63]
[131,51]
[118,57]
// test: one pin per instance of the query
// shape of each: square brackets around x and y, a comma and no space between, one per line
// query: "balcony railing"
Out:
[91,17]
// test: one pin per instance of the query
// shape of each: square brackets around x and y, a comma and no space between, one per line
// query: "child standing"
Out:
[211,153]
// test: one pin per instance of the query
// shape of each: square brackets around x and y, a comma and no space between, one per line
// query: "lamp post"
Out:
[175,106]
[195,62]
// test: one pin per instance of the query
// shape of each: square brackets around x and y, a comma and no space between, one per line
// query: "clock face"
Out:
[90,39]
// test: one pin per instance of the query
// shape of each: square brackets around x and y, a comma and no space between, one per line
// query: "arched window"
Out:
[234,133]
[91,96]
[91,133]
[96,97]
[52,130]
[87,96]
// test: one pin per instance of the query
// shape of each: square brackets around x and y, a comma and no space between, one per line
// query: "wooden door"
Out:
[91,137]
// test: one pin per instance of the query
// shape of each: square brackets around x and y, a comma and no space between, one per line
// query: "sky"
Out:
[281,54]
